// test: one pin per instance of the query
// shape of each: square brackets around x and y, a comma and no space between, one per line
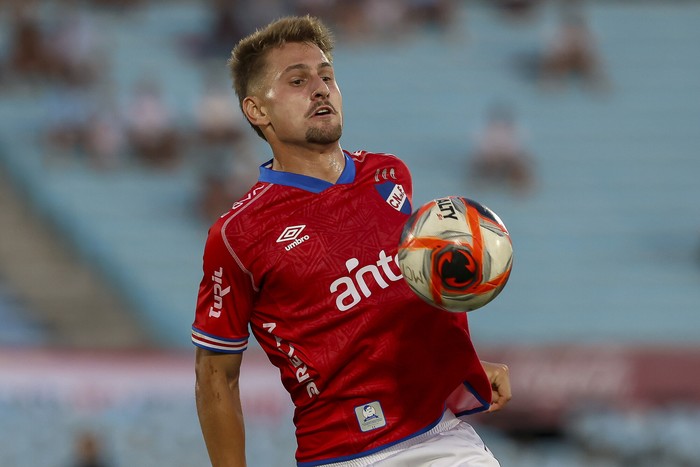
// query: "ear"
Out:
[255,111]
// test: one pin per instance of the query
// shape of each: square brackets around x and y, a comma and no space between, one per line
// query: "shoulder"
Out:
[233,235]
[378,161]
[244,211]
[372,157]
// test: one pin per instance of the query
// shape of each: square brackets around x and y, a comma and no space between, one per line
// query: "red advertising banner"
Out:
[550,383]
[98,380]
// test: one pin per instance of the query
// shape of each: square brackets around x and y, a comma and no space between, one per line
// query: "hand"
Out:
[499,376]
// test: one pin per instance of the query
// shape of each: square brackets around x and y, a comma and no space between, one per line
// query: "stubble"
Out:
[324,135]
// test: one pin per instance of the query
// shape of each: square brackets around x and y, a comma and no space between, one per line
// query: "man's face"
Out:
[300,96]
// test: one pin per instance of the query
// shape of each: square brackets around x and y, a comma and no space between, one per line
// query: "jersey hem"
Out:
[216,349]
[351,457]
[218,344]
[484,405]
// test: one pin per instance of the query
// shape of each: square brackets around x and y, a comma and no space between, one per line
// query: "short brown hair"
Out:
[248,56]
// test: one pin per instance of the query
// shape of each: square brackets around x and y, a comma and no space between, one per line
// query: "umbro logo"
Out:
[293,235]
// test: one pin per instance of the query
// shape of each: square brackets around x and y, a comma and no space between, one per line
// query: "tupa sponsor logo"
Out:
[219,293]
[292,235]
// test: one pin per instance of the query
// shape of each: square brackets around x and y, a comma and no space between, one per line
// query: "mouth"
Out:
[322,111]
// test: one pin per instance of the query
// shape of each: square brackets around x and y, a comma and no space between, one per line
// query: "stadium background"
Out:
[100,251]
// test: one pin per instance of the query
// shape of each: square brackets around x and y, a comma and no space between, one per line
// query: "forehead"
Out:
[293,54]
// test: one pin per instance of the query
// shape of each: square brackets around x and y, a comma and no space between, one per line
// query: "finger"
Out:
[501,393]
[502,387]
[497,402]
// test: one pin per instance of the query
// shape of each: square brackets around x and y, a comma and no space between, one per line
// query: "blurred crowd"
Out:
[57,47]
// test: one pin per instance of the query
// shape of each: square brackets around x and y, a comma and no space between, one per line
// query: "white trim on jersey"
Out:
[218,344]
[226,242]
[451,443]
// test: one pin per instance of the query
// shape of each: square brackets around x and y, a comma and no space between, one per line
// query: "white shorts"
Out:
[451,443]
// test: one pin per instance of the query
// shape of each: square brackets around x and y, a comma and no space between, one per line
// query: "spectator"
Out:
[29,57]
[68,108]
[318,8]
[500,155]
[349,16]
[385,18]
[72,47]
[436,14]
[117,5]
[104,139]
[88,452]
[517,10]
[228,21]
[218,119]
[225,182]
[228,169]
[151,134]
[224,29]
[572,52]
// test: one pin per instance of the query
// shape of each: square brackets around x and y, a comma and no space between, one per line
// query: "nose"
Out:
[321,88]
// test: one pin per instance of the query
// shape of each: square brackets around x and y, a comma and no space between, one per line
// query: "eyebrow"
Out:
[303,66]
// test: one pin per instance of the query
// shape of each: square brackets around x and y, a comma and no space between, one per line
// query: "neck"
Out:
[324,163]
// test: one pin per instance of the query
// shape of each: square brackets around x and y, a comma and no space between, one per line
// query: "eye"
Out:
[327,78]
[297,82]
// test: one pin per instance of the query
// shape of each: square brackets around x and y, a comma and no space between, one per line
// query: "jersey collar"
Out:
[304,182]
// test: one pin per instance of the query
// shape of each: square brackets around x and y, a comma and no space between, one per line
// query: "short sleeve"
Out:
[225,297]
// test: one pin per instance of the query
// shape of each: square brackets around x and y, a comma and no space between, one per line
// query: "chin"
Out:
[324,136]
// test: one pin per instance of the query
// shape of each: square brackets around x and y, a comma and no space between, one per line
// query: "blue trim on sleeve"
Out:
[237,345]
[213,336]
[217,350]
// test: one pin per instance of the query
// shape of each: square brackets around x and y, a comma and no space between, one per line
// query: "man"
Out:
[307,260]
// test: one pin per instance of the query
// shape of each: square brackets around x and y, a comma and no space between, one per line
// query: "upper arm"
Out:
[213,366]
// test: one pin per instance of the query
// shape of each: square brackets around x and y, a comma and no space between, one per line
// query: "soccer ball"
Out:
[455,254]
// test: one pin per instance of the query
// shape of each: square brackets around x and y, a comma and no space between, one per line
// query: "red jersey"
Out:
[311,268]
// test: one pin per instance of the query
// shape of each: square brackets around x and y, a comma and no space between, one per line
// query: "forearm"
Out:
[220,417]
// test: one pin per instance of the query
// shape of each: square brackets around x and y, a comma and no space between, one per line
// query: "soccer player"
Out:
[307,261]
